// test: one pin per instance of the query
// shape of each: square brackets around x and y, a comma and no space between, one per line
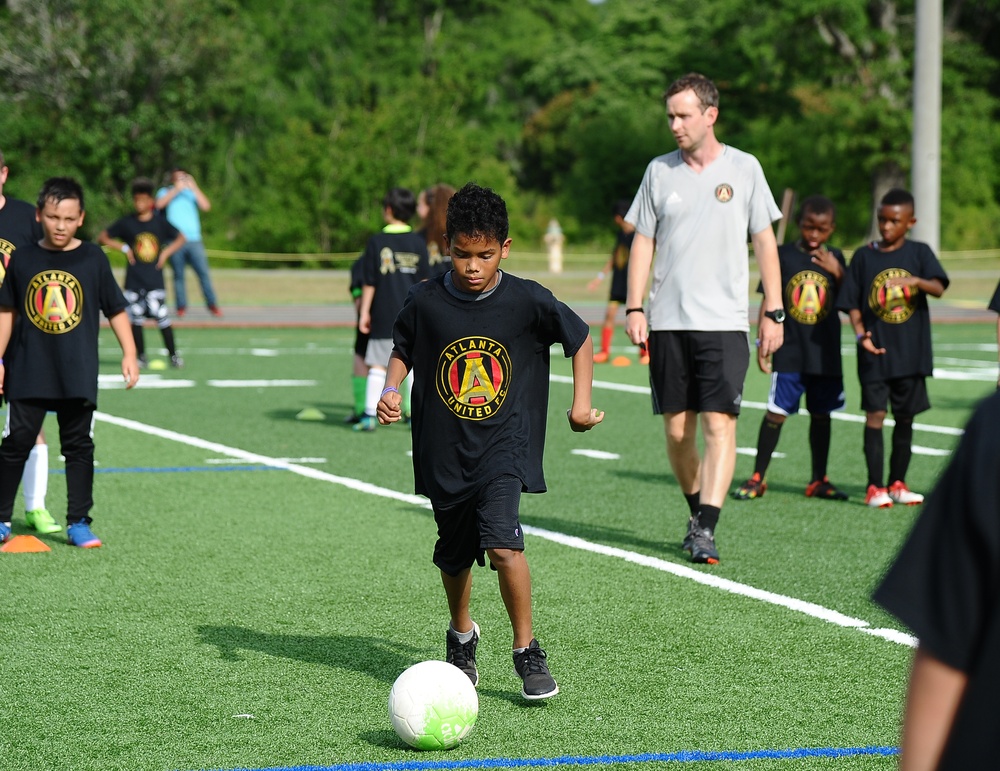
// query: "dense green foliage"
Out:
[296,116]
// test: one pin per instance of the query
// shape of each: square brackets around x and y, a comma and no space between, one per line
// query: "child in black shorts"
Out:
[477,340]
[885,292]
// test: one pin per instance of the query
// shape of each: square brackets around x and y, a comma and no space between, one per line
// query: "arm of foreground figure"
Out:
[931,702]
[388,409]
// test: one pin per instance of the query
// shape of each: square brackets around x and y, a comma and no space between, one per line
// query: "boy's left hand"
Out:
[584,420]
[825,259]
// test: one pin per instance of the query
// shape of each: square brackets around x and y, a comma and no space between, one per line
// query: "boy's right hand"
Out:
[866,343]
[584,420]
[388,409]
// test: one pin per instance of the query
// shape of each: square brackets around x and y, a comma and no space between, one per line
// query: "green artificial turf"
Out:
[241,616]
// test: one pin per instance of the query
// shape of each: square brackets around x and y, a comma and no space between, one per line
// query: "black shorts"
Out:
[360,343]
[907,395]
[700,371]
[619,286]
[487,520]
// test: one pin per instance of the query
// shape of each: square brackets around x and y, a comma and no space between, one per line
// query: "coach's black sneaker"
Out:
[692,528]
[530,666]
[463,655]
[703,546]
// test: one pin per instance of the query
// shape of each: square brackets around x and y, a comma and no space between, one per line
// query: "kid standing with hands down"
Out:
[809,360]
[61,285]
[885,292]
[477,340]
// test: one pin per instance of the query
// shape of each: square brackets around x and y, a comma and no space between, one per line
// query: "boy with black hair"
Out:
[885,292]
[393,261]
[617,265]
[148,241]
[18,227]
[61,286]
[478,340]
[809,360]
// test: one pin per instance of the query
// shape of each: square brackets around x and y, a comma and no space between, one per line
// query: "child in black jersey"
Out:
[885,292]
[477,340]
[148,240]
[393,261]
[808,362]
[60,286]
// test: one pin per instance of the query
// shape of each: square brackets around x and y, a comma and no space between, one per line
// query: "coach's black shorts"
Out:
[907,395]
[487,520]
[700,371]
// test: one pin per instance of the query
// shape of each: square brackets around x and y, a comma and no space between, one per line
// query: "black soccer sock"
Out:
[767,441]
[168,340]
[709,517]
[902,450]
[693,500]
[140,344]
[819,444]
[874,455]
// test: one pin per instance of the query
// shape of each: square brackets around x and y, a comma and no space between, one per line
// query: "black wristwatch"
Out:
[777,316]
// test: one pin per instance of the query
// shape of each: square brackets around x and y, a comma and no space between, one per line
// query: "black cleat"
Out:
[703,546]
[463,655]
[530,666]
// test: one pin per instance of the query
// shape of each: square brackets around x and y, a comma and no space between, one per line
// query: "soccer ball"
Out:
[433,705]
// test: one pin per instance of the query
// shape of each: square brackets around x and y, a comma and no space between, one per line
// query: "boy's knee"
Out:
[504,558]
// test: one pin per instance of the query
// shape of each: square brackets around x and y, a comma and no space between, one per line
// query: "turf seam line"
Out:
[707,579]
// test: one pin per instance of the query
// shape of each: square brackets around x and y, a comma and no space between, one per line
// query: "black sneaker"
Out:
[703,546]
[689,538]
[463,655]
[530,666]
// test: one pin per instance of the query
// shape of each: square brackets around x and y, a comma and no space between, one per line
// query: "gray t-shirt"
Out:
[701,223]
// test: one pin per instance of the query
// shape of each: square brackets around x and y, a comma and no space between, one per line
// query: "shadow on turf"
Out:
[333,415]
[377,657]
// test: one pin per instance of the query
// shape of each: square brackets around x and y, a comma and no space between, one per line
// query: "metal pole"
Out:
[926,173]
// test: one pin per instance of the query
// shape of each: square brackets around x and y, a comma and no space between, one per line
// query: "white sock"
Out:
[373,389]
[36,477]
[464,637]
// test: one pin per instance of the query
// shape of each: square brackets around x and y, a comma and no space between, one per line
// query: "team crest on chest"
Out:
[54,301]
[896,304]
[807,297]
[724,193]
[473,377]
[147,247]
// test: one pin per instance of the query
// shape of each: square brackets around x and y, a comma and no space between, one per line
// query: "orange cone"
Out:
[24,544]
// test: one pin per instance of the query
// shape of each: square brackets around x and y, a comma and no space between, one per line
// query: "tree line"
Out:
[296,116]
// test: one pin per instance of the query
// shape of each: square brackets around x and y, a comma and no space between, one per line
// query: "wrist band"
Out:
[860,336]
[389,389]
[600,275]
[633,310]
[124,248]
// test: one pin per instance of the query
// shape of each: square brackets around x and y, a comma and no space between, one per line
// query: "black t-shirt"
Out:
[995,302]
[481,382]
[619,264]
[812,324]
[392,263]
[898,319]
[18,227]
[945,585]
[59,298]
[147,240]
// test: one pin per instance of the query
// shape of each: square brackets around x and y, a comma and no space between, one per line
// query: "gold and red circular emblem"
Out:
[54,301]
[473,377]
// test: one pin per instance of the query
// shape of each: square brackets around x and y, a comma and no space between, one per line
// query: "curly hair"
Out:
[477,212]
[57,189]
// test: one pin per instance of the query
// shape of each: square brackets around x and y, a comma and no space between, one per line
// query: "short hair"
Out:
[58,189]
[703,88]
[402,202]
[621,207]
[142,186]
[898,197]
[477,212]
[816,204]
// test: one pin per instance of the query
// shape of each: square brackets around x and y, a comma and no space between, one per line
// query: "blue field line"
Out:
[172,469]
[682,756]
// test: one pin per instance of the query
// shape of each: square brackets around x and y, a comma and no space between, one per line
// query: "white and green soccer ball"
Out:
[433,705]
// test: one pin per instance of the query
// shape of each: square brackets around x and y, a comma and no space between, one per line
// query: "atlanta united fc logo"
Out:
[895,304]
[54,302]
[473,377]
[724,193]
[807,297]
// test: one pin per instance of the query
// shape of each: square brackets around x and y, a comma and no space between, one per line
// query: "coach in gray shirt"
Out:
[695,207]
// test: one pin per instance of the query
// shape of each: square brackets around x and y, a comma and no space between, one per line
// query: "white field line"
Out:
[707,579]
